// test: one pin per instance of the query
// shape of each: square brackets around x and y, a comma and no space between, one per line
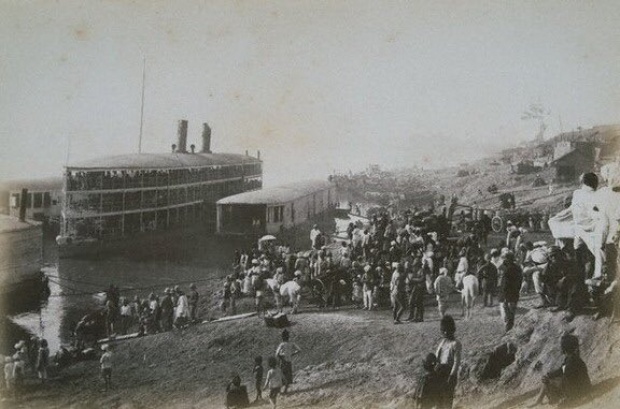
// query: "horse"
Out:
[274,286]
[291,291]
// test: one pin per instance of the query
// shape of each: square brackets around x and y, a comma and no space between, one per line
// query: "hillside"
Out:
[350,358]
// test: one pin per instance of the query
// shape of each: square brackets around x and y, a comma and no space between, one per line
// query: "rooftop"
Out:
[35,185]
[278,194]
[569,156]
[140,161]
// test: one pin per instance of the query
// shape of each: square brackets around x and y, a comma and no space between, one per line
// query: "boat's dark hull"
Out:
[181,243]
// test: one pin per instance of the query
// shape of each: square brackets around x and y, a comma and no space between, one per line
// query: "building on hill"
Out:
[579,159]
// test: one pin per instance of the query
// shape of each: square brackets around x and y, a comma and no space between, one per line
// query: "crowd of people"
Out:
[401,261]
[153,314]
[393,261]
[30,359]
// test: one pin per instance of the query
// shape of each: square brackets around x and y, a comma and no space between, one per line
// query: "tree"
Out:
[539,113]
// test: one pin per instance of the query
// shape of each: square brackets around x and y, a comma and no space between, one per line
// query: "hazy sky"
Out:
[315,85]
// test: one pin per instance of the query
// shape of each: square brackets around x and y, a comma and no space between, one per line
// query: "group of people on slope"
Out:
[120,315]
[30,358]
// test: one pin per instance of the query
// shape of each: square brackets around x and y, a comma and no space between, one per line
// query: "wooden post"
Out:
[23,203]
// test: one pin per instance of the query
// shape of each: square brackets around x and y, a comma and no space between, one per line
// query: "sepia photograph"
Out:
[318,204]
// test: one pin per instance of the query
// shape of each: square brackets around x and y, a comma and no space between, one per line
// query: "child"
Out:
[19,367]
[236,394]
[106,366]
[258,377]
[8,375]
[448,360]
[43,360]
[427,390]
[273,381]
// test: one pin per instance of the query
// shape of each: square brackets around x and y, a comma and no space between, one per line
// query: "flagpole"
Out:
[142,104]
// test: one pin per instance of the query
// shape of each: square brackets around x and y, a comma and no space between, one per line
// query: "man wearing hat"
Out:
[416,283]
[313,235]
[182,310]
[167,310]
[609,198]
[192,299]
[259,286]
[398,293]
[443,287]
[368,285]
[510,278]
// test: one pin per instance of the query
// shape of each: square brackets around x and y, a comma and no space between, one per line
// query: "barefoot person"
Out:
[257,371]
[106,366]
[448,361]
[510,278]
[428,388]
[443,288]
[273,381]
[469,293]
[285,352]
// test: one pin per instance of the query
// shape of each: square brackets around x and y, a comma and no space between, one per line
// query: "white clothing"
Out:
[463,265]
[470,289]
[106,360]
[610,208]
[182,309]
[126,310]
[313,234]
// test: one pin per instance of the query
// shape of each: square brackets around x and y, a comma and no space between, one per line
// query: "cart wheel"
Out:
[497,224]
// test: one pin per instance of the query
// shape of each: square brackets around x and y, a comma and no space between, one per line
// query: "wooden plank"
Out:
[135,334]
[119,338]
[231,318]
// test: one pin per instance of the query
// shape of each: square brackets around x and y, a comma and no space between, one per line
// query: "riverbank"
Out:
[351,358]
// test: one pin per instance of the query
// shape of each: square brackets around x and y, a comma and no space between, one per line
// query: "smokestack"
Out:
[23,203]
[258,155]
[206,138]
[246,153]
[182,136]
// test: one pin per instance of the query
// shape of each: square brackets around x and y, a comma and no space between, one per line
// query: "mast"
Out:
[142,104]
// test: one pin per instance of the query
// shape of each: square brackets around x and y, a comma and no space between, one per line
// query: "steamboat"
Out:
[118,202]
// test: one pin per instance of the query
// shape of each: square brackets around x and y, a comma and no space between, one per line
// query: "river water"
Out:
[77,285]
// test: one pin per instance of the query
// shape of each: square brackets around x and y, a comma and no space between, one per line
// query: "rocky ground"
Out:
[472,189]
[350,359]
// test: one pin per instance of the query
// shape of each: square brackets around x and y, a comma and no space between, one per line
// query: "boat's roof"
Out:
[10,223]
[278,194]
[153,161]
[33,185]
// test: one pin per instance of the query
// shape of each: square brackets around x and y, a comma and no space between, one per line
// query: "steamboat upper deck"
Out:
[123,195]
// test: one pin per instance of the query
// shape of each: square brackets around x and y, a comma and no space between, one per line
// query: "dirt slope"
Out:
[350,358]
